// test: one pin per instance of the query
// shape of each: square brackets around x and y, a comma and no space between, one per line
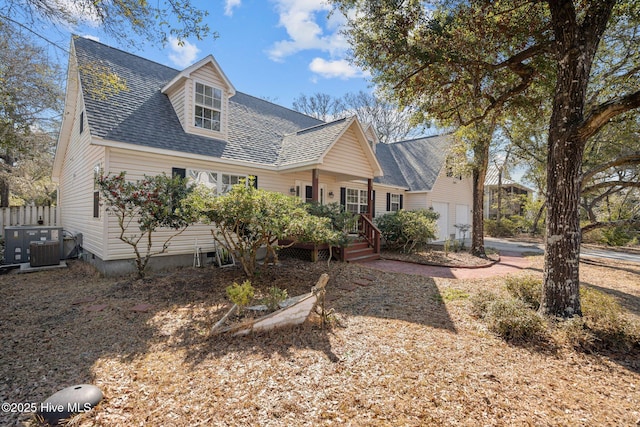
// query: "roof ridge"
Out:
[318,126]
[276,105]
[75,37]
[418,138]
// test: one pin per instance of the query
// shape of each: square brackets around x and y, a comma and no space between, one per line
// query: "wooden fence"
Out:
[29,215]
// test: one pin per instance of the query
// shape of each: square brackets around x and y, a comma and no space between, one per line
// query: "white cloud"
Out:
[184,55]
[90,37]
[308,29]
[230,5]
[339,68]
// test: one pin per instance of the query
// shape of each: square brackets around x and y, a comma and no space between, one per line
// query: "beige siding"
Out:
[347,157]
[76,187]
[138,164]
[177,98]
[209,76]
[448,190]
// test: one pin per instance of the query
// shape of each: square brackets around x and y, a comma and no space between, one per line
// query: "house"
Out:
[126,113]
[513,195]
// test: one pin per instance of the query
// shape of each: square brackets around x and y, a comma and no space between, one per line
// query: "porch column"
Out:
[315,185]
[370,198]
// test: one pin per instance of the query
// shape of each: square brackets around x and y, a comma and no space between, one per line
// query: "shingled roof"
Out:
[142,115]
[413,164]
[258,131]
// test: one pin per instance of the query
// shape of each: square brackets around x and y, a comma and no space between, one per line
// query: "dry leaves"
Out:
[397,353]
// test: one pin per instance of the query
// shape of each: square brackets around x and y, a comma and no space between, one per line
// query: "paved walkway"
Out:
[510,262]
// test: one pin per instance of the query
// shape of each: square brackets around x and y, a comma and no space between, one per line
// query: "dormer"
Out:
[372,136]
[200,97]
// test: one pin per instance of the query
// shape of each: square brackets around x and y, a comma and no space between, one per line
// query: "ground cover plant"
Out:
[397,350]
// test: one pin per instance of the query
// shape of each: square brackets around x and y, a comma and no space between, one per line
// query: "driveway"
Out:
[512,259]
[503,245]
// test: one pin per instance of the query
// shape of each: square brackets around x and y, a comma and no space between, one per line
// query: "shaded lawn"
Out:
[396,353]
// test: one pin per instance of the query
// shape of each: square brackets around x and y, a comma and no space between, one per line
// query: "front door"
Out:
[304,190]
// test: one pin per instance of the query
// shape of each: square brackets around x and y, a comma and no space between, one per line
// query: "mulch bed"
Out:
[440,258]
[399,350]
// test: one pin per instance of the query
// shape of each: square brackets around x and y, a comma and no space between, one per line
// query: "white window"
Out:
[229,181]
[220,183]
[356,201]
[206,178]
[208,107]
[394,203]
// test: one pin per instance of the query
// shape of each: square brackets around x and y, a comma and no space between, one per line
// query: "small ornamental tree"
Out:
[144,206]
[247,219]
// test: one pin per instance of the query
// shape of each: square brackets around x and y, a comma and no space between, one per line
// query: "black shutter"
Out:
[401,201]
[81,121]
[96,204]
[343,197]
[182,173]
[255,181]
[388,202]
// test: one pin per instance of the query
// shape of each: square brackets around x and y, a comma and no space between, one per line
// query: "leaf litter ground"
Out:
[399,350]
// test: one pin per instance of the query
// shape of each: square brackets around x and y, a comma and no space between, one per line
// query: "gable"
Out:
[347,156]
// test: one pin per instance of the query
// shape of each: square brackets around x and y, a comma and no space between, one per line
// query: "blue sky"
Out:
[275,49]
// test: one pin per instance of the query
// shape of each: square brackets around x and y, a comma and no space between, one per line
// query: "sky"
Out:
[271,49]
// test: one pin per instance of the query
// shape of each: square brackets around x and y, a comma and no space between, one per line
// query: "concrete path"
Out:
[510,262]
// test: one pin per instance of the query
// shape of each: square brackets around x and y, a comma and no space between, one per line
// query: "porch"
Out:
[363,245]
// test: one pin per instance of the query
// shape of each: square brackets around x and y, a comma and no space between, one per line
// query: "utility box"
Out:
[45,252]
[18,240]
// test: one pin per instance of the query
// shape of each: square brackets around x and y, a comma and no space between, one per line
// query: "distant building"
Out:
[513,195]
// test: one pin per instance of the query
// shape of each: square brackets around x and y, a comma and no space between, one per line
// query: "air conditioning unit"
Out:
[19,238]
[44,253]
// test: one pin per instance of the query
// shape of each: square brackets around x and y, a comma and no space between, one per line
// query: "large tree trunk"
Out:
[576,44]
[4,191]
[481,162]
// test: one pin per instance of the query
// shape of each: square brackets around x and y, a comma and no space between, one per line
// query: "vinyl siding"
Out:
[449,190]
[206,75]
[177,98]
[348,157]
[76,186]
[137,164]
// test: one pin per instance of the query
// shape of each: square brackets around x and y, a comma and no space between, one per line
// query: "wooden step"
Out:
[351,253]
[364,258]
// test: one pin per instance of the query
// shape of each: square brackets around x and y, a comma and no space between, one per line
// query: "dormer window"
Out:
[208,107]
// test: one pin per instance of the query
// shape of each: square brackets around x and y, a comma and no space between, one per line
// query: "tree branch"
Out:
[612,184]
[629,159]
[601,224]
[600,115]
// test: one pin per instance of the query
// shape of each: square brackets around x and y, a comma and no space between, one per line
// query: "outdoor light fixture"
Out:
[331,194]
[292,190]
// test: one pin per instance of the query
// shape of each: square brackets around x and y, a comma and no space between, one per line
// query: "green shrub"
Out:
[515,321]
[274,297]
[480,302]
[407,229]
[341,219]
[507,227]
[603,325]
[527,289]
[241,295]
[247,219]
[617,236]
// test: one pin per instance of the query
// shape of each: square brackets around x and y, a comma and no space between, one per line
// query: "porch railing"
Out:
[369,232]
